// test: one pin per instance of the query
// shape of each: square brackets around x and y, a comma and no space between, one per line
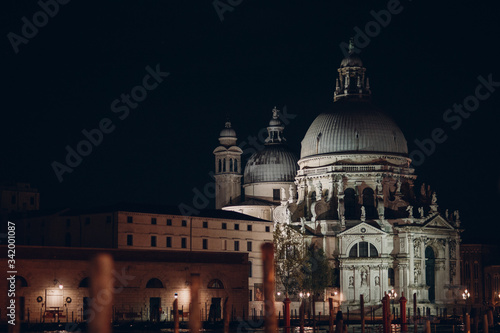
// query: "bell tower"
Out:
[227,169]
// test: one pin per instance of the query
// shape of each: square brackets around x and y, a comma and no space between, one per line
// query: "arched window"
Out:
[369,202]
[224,166]
[220,165]
[390,276]
[250,269]
[235,165]
[230,165]
[350,203]
[22,281]
[363,250]
[154,283]
[84,283]
[215,284]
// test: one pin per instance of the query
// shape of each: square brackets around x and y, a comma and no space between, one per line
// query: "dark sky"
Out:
[264,53]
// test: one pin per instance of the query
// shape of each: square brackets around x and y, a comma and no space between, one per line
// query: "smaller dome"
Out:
[275,163]
[228,131]
[352,60]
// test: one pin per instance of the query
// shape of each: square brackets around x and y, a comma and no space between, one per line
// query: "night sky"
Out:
[65,78]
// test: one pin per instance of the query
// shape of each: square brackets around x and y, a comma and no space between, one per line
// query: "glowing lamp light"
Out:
[176,295]
[308,294]
[278,293]
[61,286]
[301,295]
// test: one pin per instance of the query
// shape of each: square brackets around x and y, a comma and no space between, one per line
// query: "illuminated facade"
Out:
[354,194]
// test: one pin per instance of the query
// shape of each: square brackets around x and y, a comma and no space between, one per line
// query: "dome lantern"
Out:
[351,83]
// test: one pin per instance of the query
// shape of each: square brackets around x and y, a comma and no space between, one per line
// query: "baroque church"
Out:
[352,192]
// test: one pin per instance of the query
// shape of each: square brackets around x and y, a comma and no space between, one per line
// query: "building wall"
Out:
[474,258]
[131,295]
[19,197]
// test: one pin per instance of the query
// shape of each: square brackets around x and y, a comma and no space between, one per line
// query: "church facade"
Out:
[353,191]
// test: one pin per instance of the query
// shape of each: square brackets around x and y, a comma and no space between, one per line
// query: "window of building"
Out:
[68,239]
[235,165]
[205,224]
[231,165]
[184,223]
[215,284]
[153,220]
[476,270]
[68,223]
[32,201]
[236,226]
[276,194]
[153,241]
[84,283]
[169,221]
[249,246]
[363,250]
[220,165]
[183,242]
[130,219]
[169,241]
[87,220]
[130,240]
[108,219]
[390,276]
[205,244]
[236,245]
[250,292]
[250,269]
[268,229]
[224,225]
[249,227]
[224,244]
[154,283]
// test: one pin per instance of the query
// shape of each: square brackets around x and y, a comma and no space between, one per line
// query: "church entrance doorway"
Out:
[430,260]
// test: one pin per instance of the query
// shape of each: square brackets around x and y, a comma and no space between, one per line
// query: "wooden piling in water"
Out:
[362,309]
[427,326]
[330,308]
[302,316]
[414,312]
[194,315]
[402,304]
[271,325]
[176,316]
[467,323]
[226,315]
[101,290]
[485,323]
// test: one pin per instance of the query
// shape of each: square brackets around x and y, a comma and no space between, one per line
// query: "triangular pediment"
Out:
[362,229]
[438,222]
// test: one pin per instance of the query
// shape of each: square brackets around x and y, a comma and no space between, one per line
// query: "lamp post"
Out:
[392,294]
[466,296]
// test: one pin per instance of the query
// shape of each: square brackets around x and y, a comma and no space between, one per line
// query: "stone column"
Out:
[411,255]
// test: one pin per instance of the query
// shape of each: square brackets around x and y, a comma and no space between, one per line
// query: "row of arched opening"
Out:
[352,208]
[223,165]
[156,283]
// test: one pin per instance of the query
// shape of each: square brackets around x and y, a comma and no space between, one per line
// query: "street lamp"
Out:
[392,294]
[466,296]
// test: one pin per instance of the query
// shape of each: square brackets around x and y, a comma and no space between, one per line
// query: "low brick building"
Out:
[53,283]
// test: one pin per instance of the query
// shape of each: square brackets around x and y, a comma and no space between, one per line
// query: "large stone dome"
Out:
[353,127]
[275,163]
